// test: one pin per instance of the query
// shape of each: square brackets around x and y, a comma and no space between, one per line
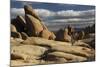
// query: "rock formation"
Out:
[47,35]
[33,25]
[35,50]
[24,35]
[81,35]
[33,43]
[19,23]
[29,10]
[16,35]
[62,35]
[70,30]
[13,28]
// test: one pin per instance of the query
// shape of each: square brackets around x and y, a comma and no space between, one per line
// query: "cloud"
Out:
[73,20]
[17,11]
[57,20]
[45,13]
[65,16]
[65,13]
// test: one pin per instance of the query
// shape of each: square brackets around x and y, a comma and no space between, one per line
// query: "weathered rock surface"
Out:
[32,43]
[62,35]
[47,35]
[45,42]
[33,25]
[81,43]
[16,35]
[36,50]
[19,23]
[33,52]
[30,26]
[13,28]
[69,57]
[29,10]
[24,35]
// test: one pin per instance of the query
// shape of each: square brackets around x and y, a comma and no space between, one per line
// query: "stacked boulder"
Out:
[66,34]
[62,35]
[31,26]
[18,26]
[32,43]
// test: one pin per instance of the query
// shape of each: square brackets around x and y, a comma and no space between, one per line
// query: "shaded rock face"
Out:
[71,30]
[19,23]
[16,35]
[90,29]
[78,35]
[62,35]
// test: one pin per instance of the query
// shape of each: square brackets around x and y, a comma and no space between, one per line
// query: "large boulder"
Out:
[45,42]
[67,38]
[27,52]
[62,35]
[13,28]
[69,57]
[34,26]
[29,10]
[19,23]
[47,35]
[77,50]
[36,50]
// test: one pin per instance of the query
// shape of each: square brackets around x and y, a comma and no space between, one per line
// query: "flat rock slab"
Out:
[28,52]
[32,50]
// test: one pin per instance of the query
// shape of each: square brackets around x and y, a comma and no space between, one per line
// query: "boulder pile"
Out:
[33,43]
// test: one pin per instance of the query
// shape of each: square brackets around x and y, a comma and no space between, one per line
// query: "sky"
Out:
[57,14]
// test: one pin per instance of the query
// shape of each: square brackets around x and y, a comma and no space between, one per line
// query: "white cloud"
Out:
[51,20]
[50,16]
[66,12]
[45,13]
[75,13]
[48,13]
[73,20]
[16,11]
